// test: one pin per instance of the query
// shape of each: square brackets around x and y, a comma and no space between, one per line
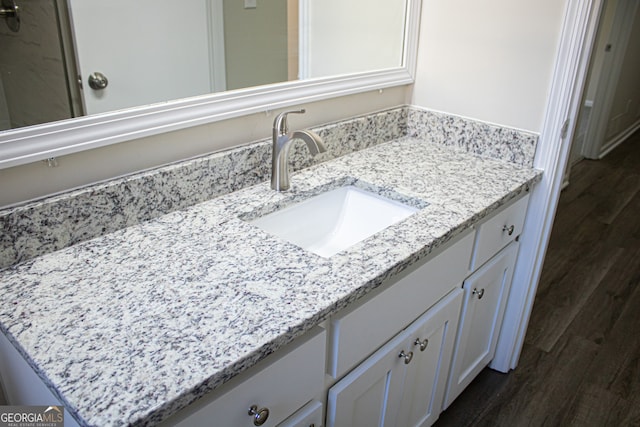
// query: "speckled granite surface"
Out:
[159,313]
[57,222]
[54,223]
[480,138]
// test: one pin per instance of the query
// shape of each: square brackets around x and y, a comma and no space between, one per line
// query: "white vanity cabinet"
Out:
[401,384]
[359,330]
[485,296]
[395,347]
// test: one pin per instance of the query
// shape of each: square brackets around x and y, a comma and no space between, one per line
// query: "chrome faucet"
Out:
[282,140]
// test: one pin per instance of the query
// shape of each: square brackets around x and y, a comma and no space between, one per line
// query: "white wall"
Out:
[255,43]
[32,67]
[354,36]
[490,60]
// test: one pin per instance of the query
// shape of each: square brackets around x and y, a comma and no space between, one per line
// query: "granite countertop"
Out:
[132,326]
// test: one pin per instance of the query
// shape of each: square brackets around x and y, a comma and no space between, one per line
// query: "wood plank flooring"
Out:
[580,364]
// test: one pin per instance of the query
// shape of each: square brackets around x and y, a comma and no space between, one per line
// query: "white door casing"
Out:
[563,103]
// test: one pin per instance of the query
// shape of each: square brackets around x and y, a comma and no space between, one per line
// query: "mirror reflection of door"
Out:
[149,50]
[194,49]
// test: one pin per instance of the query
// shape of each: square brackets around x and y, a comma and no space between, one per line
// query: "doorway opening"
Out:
[610,107]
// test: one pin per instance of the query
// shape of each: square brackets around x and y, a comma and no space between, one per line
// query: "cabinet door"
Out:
[485,295]
[370,394]
[426,379]
[403,383]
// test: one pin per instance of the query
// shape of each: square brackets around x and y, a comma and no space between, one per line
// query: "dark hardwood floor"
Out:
[580,365]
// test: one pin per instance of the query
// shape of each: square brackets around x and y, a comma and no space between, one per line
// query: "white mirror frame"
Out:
[41,142]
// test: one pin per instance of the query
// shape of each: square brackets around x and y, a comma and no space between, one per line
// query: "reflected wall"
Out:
[32,70]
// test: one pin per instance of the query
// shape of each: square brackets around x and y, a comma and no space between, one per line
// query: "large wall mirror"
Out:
[80,74]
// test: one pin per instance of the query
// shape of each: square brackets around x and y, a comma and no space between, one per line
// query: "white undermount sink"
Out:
[335,220]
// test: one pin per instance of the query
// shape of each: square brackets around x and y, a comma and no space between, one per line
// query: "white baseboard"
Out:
[619,139]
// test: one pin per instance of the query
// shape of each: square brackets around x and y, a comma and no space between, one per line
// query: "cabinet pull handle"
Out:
[406,356]
[423,344]
[259,415]
[480,292]
[509,229]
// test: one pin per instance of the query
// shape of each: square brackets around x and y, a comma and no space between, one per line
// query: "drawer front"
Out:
[498,231]
[309,416]
[281,388]
[357,332]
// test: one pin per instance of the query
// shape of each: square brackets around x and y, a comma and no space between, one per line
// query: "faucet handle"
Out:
[280,122]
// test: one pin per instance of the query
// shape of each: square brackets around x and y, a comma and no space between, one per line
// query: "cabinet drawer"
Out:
[310,415]
[281,386]
[357,332]
[498,231]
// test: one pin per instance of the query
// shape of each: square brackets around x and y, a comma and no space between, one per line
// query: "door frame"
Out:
[563,105]
[217,61]
[293,44]
[74,84]
[303,39]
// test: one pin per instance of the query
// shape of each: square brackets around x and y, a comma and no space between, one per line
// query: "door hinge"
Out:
[565,129]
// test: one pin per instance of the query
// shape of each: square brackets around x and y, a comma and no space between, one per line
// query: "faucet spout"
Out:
[312,139]
[282,140]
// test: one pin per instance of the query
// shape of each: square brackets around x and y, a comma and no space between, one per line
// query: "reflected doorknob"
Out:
[98,81]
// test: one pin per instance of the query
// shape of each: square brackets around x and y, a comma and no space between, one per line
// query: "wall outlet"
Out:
[250,4]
